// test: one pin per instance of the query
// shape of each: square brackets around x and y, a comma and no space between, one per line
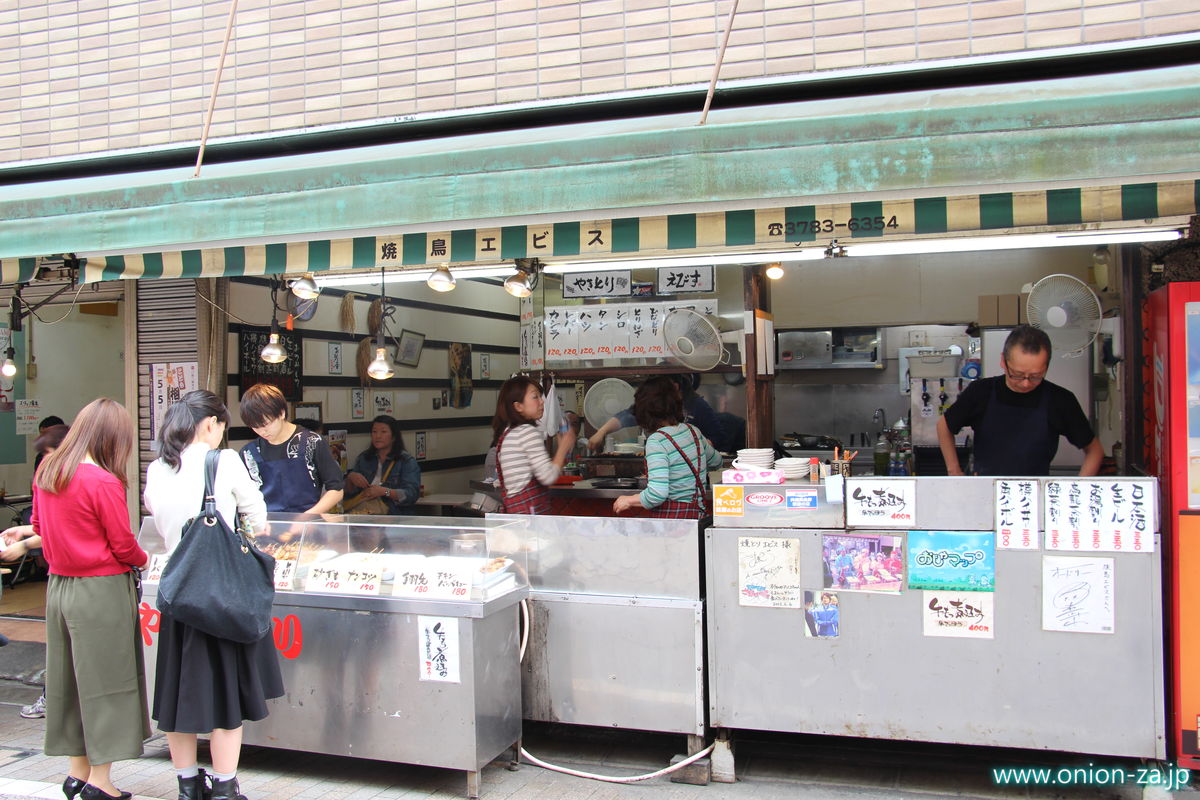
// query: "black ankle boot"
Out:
[193,788]
[72,787]
[226,790]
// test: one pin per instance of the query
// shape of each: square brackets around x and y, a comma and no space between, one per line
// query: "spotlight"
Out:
[10,367]
[273,352]
[305,287]
[441,279]
[519,285]
[775,271]
[381,368]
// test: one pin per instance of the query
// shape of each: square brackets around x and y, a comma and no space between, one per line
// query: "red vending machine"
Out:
[1171,381]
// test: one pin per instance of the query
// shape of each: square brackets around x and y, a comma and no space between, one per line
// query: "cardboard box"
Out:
[1023,309]
[988,311]
[1007,309]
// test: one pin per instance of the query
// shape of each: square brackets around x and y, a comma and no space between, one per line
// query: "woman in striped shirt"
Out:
[678,458]
[524,467]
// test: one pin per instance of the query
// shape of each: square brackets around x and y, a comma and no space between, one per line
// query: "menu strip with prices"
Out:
[1017,519]
[1101,516]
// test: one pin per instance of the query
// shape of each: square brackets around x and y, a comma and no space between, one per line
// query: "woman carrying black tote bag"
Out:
[207,680]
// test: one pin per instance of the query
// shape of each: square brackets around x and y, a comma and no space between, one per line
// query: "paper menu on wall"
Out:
[438,649]
[1078,594]
[1016,513]
[1100,516]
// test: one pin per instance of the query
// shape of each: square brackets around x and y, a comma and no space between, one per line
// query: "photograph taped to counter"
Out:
[863,562]
[822,615]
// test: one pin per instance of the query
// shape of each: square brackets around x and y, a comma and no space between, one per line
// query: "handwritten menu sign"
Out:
[1101,516]
[616,283]
[608,331]
[673,280]
[344,580]
[1078,594]
[450,577]
[252,369]
[154,568]
[769,572]
[285,575]
[412,577]
[966,615]
[1017,518]
[881,503]
[437,642]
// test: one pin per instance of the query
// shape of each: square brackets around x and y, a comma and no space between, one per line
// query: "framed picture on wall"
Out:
[409,352]
[335,358]
[358,403]
[308,411]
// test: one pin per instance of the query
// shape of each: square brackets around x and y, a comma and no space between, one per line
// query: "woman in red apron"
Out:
[522,463]
[678,458]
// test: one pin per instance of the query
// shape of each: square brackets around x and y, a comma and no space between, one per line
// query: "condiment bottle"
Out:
[814,470]
[883,455]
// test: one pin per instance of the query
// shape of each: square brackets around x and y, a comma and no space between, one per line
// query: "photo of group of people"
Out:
[822,617]
[867,563]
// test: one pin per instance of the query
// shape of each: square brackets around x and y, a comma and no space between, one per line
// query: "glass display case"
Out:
[398,637]
[438,558]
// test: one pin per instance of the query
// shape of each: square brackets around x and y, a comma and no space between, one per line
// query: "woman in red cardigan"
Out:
[95,682]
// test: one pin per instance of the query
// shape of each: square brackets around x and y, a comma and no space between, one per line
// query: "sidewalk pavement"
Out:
[770,767]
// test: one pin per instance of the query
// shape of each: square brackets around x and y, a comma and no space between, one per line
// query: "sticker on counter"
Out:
[729,501]
[764,499]
[863,562]
[768,572]
[1110,516]
[437,639]
[822,615]
[873,503]
[802,499]
[1017,519]
[1078,594]
[963,561]
[965,615]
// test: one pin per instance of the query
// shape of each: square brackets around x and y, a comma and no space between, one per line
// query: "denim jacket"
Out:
[404,478]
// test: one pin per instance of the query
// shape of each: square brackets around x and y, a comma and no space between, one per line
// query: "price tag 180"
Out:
[154,568]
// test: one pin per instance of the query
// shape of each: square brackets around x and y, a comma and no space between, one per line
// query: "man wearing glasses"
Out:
[1018,416]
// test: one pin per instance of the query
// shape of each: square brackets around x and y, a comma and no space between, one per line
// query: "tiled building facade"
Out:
[93,76]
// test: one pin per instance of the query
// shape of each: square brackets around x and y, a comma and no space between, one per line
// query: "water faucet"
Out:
[880,417]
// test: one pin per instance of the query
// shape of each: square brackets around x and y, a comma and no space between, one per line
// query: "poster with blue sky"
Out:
[952,560]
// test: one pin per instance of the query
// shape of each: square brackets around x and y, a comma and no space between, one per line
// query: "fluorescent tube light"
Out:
[807,254]
[968,244]
[369,276]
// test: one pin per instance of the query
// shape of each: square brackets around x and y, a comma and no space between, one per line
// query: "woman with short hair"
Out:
[95,681]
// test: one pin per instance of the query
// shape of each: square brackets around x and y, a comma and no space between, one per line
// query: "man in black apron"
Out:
[1018,416]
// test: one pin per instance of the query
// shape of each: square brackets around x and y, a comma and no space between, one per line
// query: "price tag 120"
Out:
[285,575]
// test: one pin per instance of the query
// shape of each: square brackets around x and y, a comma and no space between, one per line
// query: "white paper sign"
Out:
[1101,516]
[412,578]
[674,280]
[29,412]
[615,283]
[1078,594]
[881,503]
[285,575]
[769,572]
[168,383]
[967,615]
[1017,518]
[360,580]
[450,577]
[154,568]
[437,640]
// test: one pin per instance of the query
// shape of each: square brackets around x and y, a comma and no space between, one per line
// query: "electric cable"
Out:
[537,762]
[34,314]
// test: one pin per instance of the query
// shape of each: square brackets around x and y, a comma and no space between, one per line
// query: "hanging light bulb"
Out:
[775,271]
[273,352]
[441,279]
[10,367]
[305,287]
[518,285]
[381,368]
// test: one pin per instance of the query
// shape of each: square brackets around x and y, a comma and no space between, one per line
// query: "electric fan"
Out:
[693,340]
[606,399]
[1067,310]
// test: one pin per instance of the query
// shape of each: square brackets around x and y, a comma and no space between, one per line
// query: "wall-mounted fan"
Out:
[1067,310]
[694,340]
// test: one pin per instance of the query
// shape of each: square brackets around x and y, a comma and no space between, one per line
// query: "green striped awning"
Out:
[745,230]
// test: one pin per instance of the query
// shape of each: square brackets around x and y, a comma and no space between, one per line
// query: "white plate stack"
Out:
[793,468]
[755,457]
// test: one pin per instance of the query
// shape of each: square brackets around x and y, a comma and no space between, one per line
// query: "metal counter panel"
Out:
[881,678]
[624,663]
[637,557]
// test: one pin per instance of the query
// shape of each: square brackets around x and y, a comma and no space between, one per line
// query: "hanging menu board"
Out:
[1100,516]
[1017,519]
[612,330]
[252,369]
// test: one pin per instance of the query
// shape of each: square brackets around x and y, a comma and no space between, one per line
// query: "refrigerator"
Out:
[1171,403]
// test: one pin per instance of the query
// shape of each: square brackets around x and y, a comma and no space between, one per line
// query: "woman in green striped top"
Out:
[678,458]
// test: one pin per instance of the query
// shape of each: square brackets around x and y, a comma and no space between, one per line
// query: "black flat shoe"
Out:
[90,792]
[72,787]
